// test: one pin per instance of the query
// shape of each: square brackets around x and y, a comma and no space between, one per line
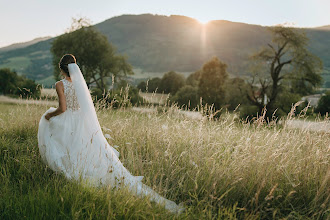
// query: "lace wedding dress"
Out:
[73,143]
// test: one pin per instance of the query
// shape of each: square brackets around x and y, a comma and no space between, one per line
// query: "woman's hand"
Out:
[48,116]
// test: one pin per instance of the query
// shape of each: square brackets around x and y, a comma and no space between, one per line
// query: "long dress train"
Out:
[67,144]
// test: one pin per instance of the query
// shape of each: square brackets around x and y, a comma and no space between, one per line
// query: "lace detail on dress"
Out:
[70,95]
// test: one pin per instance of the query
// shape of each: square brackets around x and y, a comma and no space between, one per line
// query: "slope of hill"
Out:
[155,43]
[23,44]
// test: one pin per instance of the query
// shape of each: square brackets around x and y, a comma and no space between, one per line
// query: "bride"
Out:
[71,141]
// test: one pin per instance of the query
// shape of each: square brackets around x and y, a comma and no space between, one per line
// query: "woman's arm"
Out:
[61,99]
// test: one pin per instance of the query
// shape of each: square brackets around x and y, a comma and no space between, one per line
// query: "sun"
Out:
[203,21]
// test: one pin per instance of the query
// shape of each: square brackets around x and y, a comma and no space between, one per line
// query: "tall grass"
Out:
[220,169]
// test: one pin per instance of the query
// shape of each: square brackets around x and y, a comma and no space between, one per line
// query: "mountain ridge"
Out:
[160,43]
[23,44]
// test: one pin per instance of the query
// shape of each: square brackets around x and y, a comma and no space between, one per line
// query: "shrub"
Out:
[188,96]
[323,105]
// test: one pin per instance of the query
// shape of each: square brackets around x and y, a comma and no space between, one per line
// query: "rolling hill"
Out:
[157,44]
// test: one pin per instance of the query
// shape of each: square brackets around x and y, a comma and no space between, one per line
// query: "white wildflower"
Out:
[166,153]
[164,127]
[107,129]
[193,163]
[107,136]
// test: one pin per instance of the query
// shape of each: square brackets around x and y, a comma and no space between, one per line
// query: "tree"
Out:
[323,105]
[142,86]
[286,62]
[171,82]
[95,55]
[11,83]
[188,96]
[7,81]
[212,82]
[193,79]
[235,95]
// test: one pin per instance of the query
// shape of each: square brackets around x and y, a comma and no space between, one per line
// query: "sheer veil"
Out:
[85,102]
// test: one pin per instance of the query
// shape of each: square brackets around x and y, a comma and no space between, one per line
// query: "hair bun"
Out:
[65,61]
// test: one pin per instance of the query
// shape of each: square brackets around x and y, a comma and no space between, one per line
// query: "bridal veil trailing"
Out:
[73,143]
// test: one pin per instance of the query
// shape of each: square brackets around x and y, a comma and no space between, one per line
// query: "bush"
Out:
[13,84]
[171,82]
[248,111]
[119,97]
[188,96]
[323,105]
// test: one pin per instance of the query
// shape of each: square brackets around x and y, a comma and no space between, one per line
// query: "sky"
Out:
[24,20]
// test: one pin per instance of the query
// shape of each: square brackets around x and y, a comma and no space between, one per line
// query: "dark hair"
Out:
[65,60]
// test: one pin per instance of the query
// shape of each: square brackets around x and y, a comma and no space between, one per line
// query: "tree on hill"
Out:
[95,55]
[285,64]
[211,84]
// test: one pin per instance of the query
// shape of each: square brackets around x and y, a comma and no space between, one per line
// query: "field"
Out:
[224,169]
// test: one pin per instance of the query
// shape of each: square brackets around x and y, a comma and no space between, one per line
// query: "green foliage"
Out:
[211,84]
[13,84]
[248,111]
[95,55]
[123,95]
[7,81]
[154,84]
[142,86]
[323,106]
[288,63]
[235,93]
[171,82]
[187,96]
[193,79]
[285,101]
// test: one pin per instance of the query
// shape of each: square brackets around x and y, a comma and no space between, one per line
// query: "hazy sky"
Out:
[23,20]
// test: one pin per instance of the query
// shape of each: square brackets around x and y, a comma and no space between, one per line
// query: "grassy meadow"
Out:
[223,169]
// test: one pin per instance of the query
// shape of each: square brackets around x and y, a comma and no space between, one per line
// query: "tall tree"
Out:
[95,55]
[212,80]
[171,82]
[285,62]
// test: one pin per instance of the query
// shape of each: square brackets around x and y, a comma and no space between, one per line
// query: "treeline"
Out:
[210,85]
[13,84]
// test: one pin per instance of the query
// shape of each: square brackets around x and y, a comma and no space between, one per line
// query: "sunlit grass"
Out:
[222,169]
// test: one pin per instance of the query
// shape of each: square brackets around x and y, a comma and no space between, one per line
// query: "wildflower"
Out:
[193,163]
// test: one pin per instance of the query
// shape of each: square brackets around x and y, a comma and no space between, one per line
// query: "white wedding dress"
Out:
[73,143]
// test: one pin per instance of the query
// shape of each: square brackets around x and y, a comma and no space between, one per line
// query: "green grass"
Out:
[222,169]
[47,82]
[17,63]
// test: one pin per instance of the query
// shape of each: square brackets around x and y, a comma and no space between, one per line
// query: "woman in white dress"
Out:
[71,140]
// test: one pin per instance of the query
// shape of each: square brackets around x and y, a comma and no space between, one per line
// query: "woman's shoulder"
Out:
[59,83]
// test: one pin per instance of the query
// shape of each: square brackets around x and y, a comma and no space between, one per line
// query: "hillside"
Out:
[155,43]
[23,44]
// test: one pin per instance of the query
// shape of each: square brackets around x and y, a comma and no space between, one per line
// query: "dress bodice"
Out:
[70,95]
